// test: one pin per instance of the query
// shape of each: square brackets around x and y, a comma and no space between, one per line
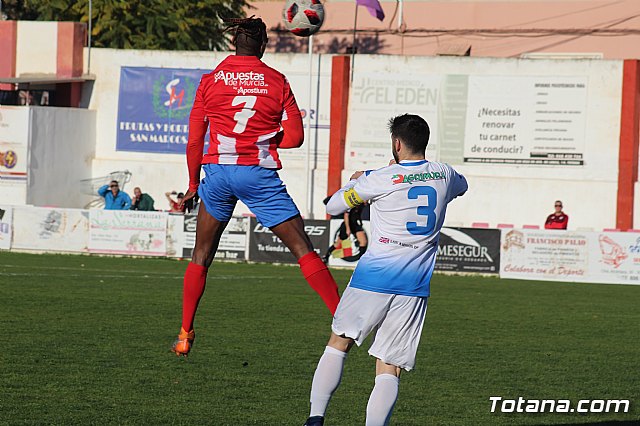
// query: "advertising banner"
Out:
[50,229]
[264,246]
[181,237]
[6,213]
[545,255]
[128,232]
[153,108]
[614,257]
[14,143]
[374,99]
[175,235]
[469,250]
[526,120]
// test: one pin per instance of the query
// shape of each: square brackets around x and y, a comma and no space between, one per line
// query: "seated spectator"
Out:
[175,204]
[557,219]
[114,199]
[140,201]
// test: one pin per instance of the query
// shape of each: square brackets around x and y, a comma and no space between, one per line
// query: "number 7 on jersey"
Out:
[242,117]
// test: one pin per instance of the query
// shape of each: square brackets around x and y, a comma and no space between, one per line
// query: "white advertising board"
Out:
[606,257]
[6,213]
[614,257]
[14,142]
[526,120]
[377,97]
[128,232]
[50,229]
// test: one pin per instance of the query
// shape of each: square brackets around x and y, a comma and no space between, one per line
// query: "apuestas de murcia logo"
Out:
[233,78]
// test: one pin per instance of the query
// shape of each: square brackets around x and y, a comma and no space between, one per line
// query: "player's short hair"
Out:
[248,33]
[412,130]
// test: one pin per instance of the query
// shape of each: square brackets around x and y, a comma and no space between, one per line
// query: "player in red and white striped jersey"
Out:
[250,112]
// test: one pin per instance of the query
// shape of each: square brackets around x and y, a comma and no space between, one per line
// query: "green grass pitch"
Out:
[86,339]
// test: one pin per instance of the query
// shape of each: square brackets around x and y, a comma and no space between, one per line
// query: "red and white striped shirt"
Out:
[245,104]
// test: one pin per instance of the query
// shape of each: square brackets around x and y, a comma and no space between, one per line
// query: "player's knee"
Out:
[202,256]
[341,343]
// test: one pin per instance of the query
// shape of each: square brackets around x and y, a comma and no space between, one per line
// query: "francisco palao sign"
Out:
[599,257]
[153,108]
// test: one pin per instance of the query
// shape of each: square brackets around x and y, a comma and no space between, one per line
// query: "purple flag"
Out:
[374,8]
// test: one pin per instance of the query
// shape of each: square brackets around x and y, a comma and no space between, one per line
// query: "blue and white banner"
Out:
[153,108]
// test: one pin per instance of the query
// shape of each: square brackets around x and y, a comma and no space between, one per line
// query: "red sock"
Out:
[195,279]
[320,279]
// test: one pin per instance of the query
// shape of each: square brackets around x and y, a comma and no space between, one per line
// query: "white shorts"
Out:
[398,321]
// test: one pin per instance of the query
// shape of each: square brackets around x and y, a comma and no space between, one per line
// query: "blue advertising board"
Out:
[153,108]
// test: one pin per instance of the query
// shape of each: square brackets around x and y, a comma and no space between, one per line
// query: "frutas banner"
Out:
[153,108]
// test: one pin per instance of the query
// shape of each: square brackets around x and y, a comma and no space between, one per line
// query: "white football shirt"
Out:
[408,205]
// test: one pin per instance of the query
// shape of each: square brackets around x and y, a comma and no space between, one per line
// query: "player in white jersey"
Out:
[389,289]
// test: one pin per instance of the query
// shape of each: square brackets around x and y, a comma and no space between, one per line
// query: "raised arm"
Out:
[102,191]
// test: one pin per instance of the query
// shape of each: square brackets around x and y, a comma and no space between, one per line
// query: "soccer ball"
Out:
[303,17]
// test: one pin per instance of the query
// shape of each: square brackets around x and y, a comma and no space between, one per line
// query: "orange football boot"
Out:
[183,343]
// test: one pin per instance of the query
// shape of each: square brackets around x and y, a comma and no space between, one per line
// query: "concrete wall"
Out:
[61,156]
[36,47]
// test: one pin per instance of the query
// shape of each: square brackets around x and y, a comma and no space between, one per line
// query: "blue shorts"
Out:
[259,188]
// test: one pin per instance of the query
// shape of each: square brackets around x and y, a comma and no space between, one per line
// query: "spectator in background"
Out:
[140,201]
[175,205]
[557,219]
[114,199]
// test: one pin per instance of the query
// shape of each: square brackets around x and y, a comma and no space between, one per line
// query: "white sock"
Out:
[326,380]
[383,398]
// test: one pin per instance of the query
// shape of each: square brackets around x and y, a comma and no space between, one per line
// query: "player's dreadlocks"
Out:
[249,34]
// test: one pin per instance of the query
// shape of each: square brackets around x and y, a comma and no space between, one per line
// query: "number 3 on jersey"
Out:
[428,210]
[242,117]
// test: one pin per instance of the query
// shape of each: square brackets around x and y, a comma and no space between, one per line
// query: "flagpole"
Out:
[353,44]
[309,201]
